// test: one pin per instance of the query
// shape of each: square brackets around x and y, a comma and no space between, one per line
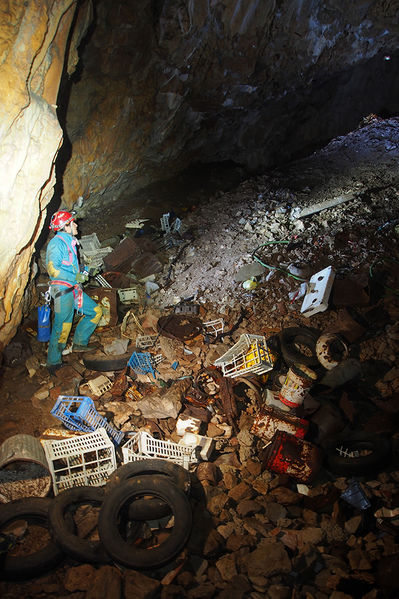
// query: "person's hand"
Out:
[81,277]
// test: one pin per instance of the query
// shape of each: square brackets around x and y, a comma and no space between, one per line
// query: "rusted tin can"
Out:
[295,457]
[297,382]
[270,420]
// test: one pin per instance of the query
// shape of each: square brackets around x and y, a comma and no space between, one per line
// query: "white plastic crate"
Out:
[141,446]
[130,295]
[89,243]
[79,461]
[249,354]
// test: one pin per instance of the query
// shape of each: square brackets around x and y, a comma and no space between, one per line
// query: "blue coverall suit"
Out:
[62,266]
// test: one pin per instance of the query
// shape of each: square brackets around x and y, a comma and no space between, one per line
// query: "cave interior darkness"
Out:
[235,141]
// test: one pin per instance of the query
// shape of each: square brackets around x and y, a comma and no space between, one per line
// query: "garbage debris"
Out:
[318,292]
[79,413]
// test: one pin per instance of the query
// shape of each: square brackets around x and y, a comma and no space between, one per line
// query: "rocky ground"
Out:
[256,533]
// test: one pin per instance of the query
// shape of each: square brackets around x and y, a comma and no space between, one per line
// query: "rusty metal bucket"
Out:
[297,382]
[295,457]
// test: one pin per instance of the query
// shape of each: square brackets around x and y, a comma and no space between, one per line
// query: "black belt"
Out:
[63,292]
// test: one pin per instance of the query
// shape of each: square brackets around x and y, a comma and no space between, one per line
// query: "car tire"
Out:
[131,555]
[147,509]
[83,550]
[374,452]
[34,510]
[104,363]
[290,337]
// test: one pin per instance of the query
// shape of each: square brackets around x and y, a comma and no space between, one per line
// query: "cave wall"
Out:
[33,41]
[160,84]
[166,83]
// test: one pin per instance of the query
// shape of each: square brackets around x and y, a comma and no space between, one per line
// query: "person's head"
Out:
[64,221]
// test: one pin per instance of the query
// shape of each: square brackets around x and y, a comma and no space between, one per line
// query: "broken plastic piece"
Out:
[318,293]
[100,279]
[145,341]
[129,295]
[354,495]
[99,385]
[183,308]
[136,223]
[165,226]
[176,225]
[202,446]
[214,327]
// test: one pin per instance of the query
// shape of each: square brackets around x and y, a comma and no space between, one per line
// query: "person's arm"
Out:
[55,255]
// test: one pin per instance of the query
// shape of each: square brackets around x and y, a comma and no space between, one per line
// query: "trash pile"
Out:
[234,434]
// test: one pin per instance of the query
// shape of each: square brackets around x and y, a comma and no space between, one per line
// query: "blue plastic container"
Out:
[43,323]
[141,363]
[78,413]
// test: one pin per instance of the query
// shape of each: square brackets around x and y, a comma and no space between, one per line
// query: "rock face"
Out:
[165,84]
[32,48]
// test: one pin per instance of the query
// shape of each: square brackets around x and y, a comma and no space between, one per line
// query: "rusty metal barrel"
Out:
[287,454]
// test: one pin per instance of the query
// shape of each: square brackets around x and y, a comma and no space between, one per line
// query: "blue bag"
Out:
[43,323]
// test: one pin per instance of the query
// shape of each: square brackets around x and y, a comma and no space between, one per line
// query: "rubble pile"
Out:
[283,423]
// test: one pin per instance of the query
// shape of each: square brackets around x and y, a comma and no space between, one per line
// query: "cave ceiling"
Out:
[162,85]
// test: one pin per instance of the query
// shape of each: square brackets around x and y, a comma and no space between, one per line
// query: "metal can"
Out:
[297,382]
[287,454]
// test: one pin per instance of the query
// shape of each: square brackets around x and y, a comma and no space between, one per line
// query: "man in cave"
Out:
[66,280]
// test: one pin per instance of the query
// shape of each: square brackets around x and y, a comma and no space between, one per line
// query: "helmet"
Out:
[60,219]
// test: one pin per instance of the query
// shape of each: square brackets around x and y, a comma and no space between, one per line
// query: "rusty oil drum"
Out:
[287,454]
[269,421]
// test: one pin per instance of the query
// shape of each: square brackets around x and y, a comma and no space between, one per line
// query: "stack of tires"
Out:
[144,521]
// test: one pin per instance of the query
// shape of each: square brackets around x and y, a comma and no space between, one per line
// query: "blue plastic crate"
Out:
[141,363]
[79,413]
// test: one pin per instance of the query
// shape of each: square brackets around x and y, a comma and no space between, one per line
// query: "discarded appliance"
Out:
[79,413]
[270,420]
[201,446]
[84,460]
[249,354]
[287,454]
[318,292]
[24,470]
[331,350]
[141,446]
[298,381]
